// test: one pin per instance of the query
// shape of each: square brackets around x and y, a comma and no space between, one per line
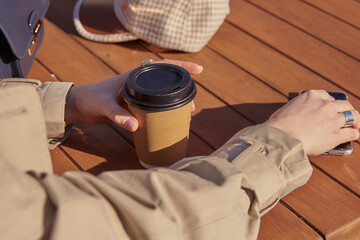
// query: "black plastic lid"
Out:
[159,87]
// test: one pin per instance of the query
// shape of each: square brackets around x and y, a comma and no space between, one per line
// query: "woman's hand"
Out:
[316,119]
[99,102]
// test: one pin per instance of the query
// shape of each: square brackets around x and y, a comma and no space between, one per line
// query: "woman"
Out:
[221,196]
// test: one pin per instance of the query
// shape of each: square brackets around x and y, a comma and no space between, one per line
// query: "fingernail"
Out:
[200,68]
[130,125]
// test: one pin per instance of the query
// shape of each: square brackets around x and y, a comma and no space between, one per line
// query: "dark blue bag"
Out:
[21,33]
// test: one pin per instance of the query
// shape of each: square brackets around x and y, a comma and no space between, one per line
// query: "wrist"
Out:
[288,130]
[279,125]
[71,111]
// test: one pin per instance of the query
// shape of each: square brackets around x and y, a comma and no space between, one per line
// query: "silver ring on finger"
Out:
[349,119]
[147,62]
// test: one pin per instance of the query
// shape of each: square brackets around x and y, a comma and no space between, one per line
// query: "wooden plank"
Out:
[348,10]
[98,148]
[319,24]
[321,58]
[214,121]
[264,62]
[68,57]
[243,92]
[344,169]
[280,225]
[125,56]
[38,72]
[61,162]
[196,146]
[336,210]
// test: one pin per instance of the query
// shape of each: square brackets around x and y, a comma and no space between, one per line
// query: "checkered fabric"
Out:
[185,25]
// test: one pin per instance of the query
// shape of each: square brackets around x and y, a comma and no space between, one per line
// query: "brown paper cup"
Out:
[162,137]
[159,96]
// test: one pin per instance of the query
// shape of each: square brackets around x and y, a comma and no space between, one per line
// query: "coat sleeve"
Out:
[221,196]
[53,99]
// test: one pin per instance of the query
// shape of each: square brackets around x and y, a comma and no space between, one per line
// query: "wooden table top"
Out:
[264,51]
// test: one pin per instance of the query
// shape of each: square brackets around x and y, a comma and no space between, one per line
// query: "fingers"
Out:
[320,93]
[356,124]
[122,117]
[339,106]
[325,95]
[342,120]
[191,67]
[348,134]
[342,106]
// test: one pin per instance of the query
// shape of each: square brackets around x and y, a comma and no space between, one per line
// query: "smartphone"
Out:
[344,148]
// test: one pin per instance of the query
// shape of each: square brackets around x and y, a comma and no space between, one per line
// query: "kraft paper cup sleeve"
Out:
[162,137]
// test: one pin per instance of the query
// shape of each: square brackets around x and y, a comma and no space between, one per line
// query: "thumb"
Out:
[122,117]
[192,68]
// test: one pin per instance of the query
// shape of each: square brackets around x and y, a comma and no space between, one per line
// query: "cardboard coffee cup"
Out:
[159,96]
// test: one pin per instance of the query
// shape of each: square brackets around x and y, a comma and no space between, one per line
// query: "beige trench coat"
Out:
[221,196]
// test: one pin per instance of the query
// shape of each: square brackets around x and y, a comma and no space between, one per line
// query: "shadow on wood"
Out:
[98,148]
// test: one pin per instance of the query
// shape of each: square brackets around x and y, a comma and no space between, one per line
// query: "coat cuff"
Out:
[53,96]
[273,161]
